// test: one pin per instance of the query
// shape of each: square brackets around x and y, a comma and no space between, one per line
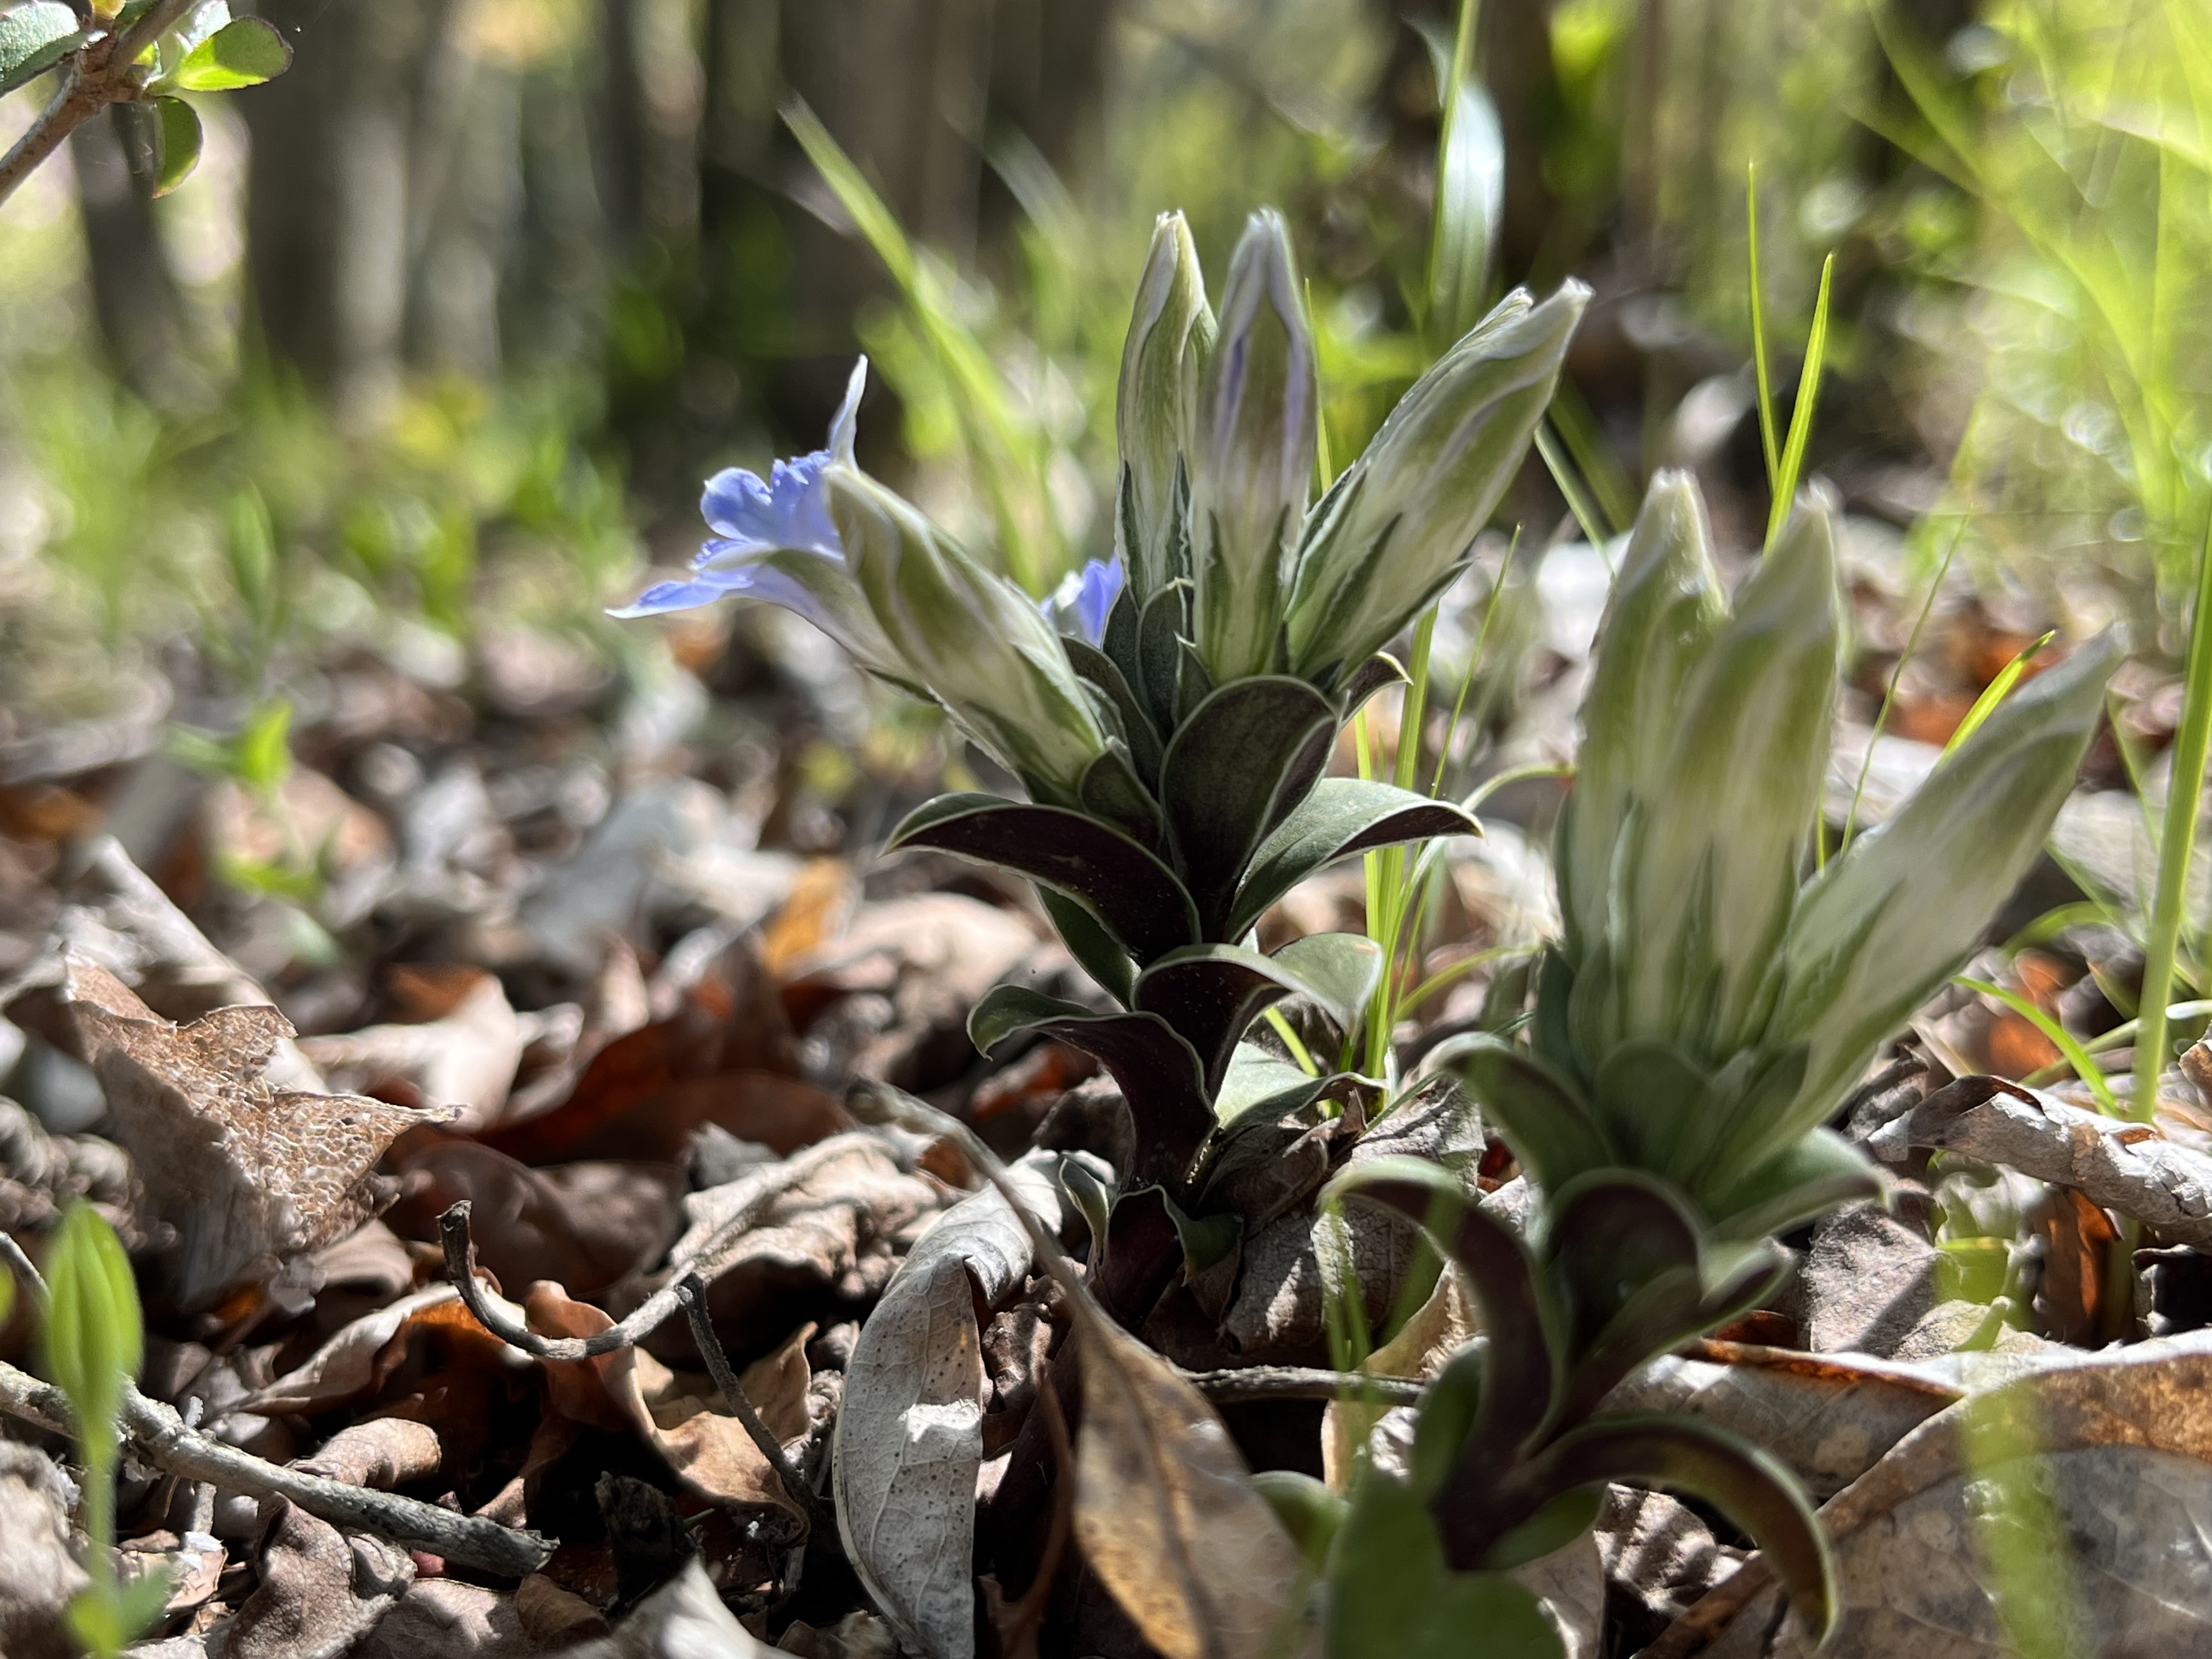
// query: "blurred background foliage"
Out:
[453,318]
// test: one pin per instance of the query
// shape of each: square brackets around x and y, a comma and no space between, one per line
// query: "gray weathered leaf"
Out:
[909,1438]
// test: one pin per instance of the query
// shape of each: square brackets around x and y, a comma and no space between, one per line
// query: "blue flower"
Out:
[1081,604]
[753,518]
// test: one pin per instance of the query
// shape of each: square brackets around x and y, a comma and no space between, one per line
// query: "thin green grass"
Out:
[2176,842]
[1759,325]
[2065,1041]
[1801,418]
[1897,674]
[1996,692]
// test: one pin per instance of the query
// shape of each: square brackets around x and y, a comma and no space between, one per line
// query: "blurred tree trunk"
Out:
[133,293]
[327,214]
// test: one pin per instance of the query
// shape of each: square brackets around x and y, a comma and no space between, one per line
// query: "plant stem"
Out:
[2185,797]
[94,75]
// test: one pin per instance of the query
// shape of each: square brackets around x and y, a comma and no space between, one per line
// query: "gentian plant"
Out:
[1171,713]
[1719,991]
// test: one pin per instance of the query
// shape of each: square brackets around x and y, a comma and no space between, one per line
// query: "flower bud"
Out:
[1707,890]
[1400,525]
[975,640]
[1255,455]
[1892,918]
[1666,606]
[1156,409]
[94,1337]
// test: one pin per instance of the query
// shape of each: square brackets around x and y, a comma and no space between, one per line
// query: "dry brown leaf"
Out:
[38,1570]
[353,1361]
[1168,1516]
[466,1058]
[248,1175]
[444,1618]
[684,1618]
[2121,1447]
[320,1591]
[382,1453]
[1420,1349]
[822,900]
[909,1438]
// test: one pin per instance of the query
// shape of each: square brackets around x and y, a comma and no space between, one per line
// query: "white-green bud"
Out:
[976,640]
[1156,408]
[1404,519]
[1254,460]
[1708,887]
[94,1336]
[1666,606]
[1892,918]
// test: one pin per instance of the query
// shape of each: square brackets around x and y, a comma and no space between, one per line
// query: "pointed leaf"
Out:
[1751,1488]
[242,53]
[1539,1112]
[1341,817]
[1392,1596]
[1309,1510]
[1098,669]
[180,144]
[34,39]
[1087,940]
[1523,1377]
[1225,772]
[1133,893]
[1807,1179]
[1378,670]
[1160,630]
[1340,971]
[1111,790]
[1211,993]
[1159,1073]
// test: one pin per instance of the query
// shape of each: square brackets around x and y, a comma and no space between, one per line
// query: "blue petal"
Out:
[1101,585]
[664,597]
[790,509]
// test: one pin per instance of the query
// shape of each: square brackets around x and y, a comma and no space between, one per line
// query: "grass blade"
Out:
[1897,674]
[1995,691]
[2065,1041]
[1563,474]
[2177,841]
[1800,419]
[1759,325]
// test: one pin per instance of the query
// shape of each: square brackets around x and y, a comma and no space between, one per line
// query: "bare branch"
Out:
[162,1438]
[1303,1383]
[691,1292]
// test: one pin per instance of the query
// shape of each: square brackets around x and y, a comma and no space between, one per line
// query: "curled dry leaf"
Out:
[352,1363]
[2116,1164]
[909,1438]
[2088,1482]
[684,1618]
[679,1415]
[246,1173]
[382,1453]
[446,1619]
[320,1592]
[466,1059]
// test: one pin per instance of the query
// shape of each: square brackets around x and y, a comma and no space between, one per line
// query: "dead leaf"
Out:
[822,901]
[352,1363]
[551,1614]
[444,1618]
[2069,1296]
[38,1570]
[382,1453]
[1431,1336]
[909,1438]
[2120,1448]
[684,1618]
[320,1591]
[586,1224]
[1868,1281]
[1168,1516]
[466,1058]
[248,1174]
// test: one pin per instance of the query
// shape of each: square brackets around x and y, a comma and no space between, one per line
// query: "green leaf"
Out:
[1539,1112]
[1309,1512]
[1521,1379]
[242,53]
[1134,895]
[1751,1488]
[1160,630]
[1111,790]
[180,140]
[1096,668]
[1209,993]
[1555,1526]
[94,1337]
[1098,952]
[1807,1179]
[1378,670]
[1340,971]
[1341,817]
[1159,1073]
[1470,195]
[1392,1596]
[34,39]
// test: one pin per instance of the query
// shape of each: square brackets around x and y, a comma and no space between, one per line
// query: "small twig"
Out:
[97,74]
[1302,1382]
[691,1292]
[165,1441]
[23,1267]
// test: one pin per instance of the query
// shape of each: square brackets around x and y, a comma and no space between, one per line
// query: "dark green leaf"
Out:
[242,53]
[1522,1377]
[34,39]
[1159,1073]
[1607,1232]
[1160,630]
[1194,682]
[1111,790]
[180,144]
[1340,971]
[1378,670]
[1133,893]
[1120,641]
[1750,1487]
[1209,993]
[1539,1112]
[1093,1199]
[1555,1526]
[1341,817]
[1391,1596]
[1225,772]
[1098,669]
[1449,1407]
[1090,945]
[1658,1107]
[1143,1255]
[1309,1512]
